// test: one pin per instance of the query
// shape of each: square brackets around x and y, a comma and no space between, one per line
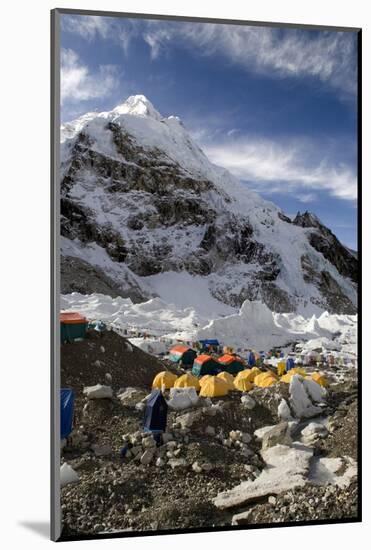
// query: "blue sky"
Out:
[277,107]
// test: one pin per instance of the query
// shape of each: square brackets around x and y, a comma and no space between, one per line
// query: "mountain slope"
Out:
[140,198]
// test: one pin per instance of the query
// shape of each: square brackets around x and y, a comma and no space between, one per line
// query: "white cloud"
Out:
[91,27]
[290,168]
[306,197]
[78,83]
[329,56]
[157,40]
[87,26]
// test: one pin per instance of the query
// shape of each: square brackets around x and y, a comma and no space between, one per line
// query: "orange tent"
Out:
[231,363]
[205,364]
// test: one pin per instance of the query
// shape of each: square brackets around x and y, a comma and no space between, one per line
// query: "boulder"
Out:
[160,462]
[325,471]
[166,437]
[300,400]
[243,518]
[147,456]
[101,450]
[283,410]
[279,435]
[196,467]
[148,442]
[67,475]
[248,402]
[314,428]
[316,392]
[246,438]
[261,431]
[182,398]
[286,468]
[127,395]
[177,463]
[188,419]
[98,392]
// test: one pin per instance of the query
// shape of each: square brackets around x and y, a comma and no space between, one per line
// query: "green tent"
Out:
[231,363]
[184,354]
[205,364]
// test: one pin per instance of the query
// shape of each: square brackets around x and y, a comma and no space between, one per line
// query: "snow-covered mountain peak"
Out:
[137,105]
[141,199]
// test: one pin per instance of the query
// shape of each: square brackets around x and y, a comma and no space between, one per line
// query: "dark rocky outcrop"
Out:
[325,242]
[78,275]
[333,298]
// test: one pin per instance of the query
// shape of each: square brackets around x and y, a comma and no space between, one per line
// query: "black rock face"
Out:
[336,253]
[334,299]
[325,242]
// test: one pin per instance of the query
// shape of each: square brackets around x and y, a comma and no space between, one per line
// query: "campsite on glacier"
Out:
[161,248]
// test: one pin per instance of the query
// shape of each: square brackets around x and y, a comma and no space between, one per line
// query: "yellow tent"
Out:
[265,379]
[203,379]
[255,371]
[164,379]
[286,378]
[248,374]
[187,381]
[214,387]
[281,368]
[242,381]
[320,379]
[228,379]
[296,370]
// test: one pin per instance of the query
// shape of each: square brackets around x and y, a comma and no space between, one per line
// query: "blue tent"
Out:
[290,364]
[155,415]
[67,406]
[209,343]
[251,359]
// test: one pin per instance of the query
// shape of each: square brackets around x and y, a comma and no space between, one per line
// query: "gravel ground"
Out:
[115,493]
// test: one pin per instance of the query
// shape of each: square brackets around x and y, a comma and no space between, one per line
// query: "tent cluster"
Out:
[214,376]
[212,384]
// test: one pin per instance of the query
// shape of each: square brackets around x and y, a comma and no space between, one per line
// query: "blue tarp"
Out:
[99,326]
[210,342]
[290,364]
[155,415]
[67,406]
